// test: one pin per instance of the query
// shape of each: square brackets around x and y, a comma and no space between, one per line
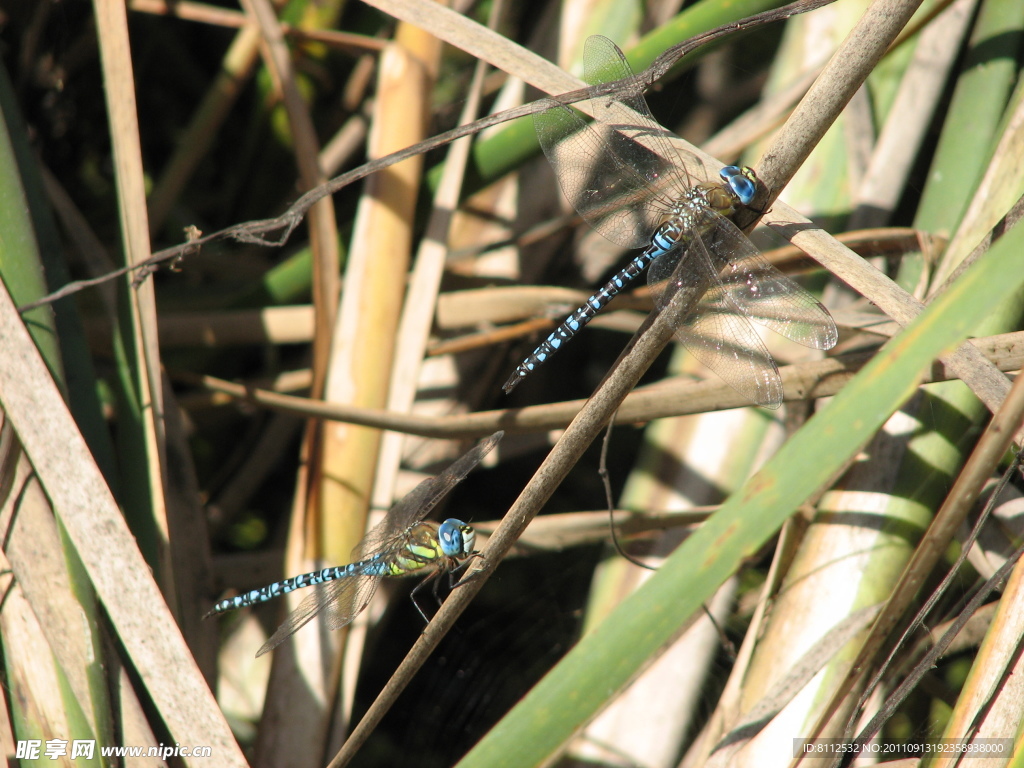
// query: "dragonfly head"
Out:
[742,181]
[456,537]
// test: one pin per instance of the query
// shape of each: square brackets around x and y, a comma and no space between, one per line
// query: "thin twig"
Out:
[672,397]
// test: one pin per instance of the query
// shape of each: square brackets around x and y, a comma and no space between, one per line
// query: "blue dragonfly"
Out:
[402,544]
[623,175]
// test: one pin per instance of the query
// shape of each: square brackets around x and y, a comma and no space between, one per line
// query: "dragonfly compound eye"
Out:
[456,538]
[740,181]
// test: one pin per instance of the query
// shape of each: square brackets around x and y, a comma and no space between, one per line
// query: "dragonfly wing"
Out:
[761,291]
[711,326]
[419,502]
[351,600]
[340,600]
[723,339]
[639,141]
[604,190]
[618,172]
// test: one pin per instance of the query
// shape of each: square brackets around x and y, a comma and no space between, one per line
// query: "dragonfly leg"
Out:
[461,567]
[434,581]
[452,583]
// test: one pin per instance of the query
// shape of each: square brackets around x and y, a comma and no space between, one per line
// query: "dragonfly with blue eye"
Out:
[402,544]
[619,174]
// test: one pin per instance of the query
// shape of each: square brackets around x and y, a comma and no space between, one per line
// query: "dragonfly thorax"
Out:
[738,187]
[456,538]
[719,198]
[687,210]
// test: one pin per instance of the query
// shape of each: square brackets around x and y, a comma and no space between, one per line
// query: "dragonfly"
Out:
[402,544]
[626,179]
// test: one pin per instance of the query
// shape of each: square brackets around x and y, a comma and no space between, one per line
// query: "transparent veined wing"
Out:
[761,291]
[717,334]
[634,136]
[606,192]
[726,283]
[340,601]
[621,187]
